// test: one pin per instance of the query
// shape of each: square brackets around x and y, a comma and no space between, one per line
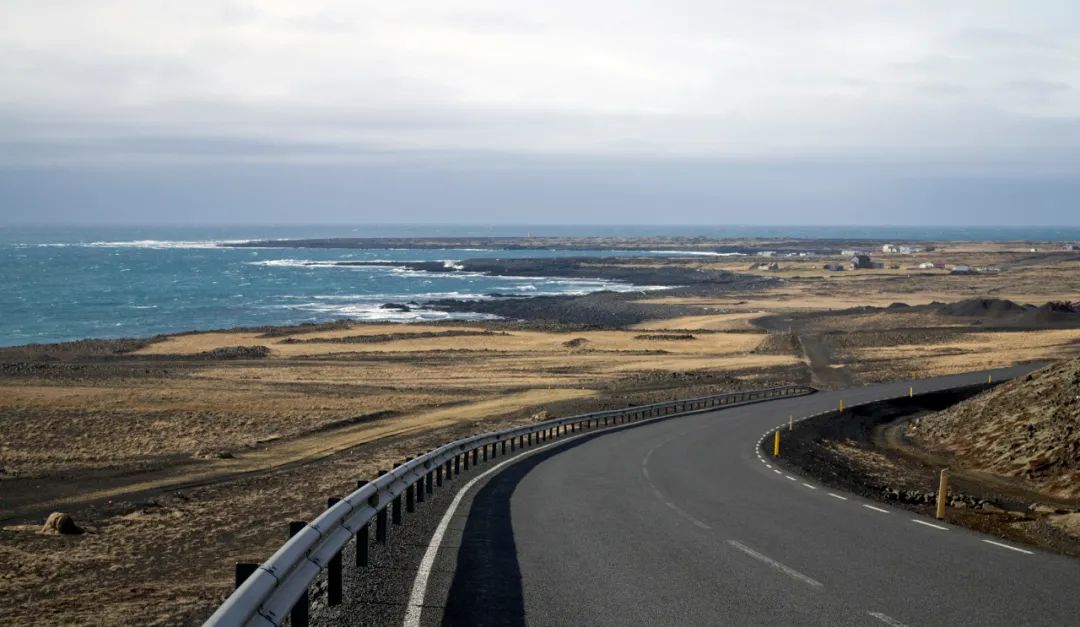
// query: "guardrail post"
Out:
[504,447]
[475,456]
[428,482]
[410,500]
[242,571]
[438,474]
[465,460]
[483,457]
[380,521]
[395,513]
[298,617]
[362,538]
[457,465]
[333,569]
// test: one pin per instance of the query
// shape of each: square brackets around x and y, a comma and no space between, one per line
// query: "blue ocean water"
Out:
[64,283]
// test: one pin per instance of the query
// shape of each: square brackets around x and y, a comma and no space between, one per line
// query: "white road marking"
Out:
[423,573]
[888,620]
[787,570]
[810,486]
[1012,548]
[769,466]
[923,522]
[876,509]
[789,477]
[776,471]
[837,496]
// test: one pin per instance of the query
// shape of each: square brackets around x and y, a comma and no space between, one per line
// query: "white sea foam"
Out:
[702,253]
[152,244]
[368,311]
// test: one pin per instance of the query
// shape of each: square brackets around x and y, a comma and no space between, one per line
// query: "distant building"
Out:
[850,253]
[765,265]
[860,262]
[834,267]
[1072,246]
[960,269]
[926,265]
[890,248]
[767,253]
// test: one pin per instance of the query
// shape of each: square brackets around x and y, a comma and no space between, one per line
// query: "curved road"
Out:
[679,522]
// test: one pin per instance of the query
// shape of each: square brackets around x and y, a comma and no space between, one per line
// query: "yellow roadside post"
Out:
[911,391]
[776,444]
[841,405]
[989,378]
[791,423]
[943,492]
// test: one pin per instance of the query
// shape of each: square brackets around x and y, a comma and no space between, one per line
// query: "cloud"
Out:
[974,86]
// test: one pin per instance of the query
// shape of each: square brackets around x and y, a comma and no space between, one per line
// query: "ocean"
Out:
[71,282]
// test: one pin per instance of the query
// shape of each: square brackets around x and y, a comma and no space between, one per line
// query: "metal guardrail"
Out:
[268,593]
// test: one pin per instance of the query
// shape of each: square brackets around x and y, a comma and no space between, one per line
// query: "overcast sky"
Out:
[673,111]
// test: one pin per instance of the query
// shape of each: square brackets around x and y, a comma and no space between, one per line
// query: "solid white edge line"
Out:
[1011,548]
[876,509]
[419,588]
[787,570]
[929,524]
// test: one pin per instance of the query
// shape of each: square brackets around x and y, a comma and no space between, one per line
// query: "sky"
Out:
[647,112]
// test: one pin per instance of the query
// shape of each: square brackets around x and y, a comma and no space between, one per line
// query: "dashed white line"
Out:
[923,522]
[776,471]
[1011,548]
[810,486]
[787,570]
[789,477]
[876,509]
[837,496]
[888,620]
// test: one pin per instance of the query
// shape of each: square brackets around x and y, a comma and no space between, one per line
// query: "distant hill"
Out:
[1028,428]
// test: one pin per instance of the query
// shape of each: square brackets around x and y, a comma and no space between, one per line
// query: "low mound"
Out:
[983,308]
[577,342]
[665,337]
[1028,428]
[236,352]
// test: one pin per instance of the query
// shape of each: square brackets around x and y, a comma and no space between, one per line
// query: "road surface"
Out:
[681,522]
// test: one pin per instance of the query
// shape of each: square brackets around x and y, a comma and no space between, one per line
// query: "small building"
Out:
[860,262]
[960,269]
[767,253]
[890,248]
[834,267]
[850,253]
[926,265]
[765,265]
[1072,247]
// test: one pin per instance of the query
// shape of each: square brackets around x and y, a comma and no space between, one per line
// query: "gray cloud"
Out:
[917,90]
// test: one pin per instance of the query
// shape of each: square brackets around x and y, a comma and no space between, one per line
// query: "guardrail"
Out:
[268,593]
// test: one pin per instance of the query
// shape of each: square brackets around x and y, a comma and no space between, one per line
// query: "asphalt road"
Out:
[680,522]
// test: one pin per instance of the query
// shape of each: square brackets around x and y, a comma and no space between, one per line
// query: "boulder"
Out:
[60,523]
